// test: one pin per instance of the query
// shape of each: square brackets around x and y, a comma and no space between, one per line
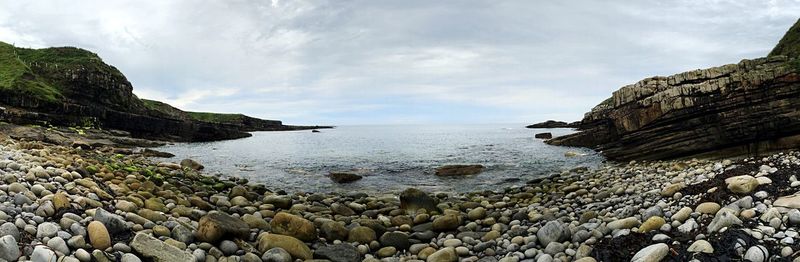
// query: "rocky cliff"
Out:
[746,108]
[73,87]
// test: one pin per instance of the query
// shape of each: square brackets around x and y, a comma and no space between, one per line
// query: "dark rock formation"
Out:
[738,109]
[543,135]
[459,170]
[67,86]
[554,124]
[344,177]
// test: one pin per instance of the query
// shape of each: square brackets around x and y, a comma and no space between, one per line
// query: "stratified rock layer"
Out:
[735,109]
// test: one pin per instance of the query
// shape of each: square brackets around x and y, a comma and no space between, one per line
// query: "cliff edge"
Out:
[68,86]
[747,108]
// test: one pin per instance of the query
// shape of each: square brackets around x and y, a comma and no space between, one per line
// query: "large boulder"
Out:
[459,170]
[730,110]
[191,164]
[294,246]
[344,177]
[217,225]
[412,199]
[287,224]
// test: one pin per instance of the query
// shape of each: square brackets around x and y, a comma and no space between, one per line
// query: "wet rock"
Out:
[217,225]
[295,247]
[546,135]
[159,251]
[191,164]
[459,170]
[344,177]
[282,202]
[295,226]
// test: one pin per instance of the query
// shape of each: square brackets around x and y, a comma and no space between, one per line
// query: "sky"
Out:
[343,62]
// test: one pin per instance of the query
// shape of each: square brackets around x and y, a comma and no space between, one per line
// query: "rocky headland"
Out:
[72,87]
[555,124]
[748,108]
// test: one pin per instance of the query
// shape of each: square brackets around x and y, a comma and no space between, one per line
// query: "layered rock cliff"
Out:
[73,87]
[746,108]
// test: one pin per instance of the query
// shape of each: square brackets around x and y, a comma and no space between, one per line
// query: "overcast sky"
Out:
[399,62]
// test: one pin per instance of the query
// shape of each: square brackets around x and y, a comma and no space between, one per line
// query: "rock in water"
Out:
[191,164]
[217,225]
[8,248]
[159,251]
[287,224]
[344,177]
[543,135]
[412,199]
[651,253]
[339,253]
[98,235]
[295,247]
[459,170]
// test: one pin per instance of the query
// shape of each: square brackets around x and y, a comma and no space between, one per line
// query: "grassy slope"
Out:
[790,43]
[215,117]
[17,78]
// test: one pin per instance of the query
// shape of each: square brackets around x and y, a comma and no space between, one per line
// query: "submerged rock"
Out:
[344,177]
[459,170]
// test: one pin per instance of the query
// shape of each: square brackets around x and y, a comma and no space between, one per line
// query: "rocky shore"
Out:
[59,203]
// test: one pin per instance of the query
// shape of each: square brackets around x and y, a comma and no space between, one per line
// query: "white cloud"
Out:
[374,61]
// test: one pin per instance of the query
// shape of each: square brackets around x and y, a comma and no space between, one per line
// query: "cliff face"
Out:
[737,109]
[73,87]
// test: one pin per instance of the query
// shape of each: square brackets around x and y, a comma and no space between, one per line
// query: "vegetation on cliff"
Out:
[789,44]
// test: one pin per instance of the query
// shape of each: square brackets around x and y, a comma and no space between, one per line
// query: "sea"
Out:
[389,157]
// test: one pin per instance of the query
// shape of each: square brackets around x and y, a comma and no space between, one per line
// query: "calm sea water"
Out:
[389,157]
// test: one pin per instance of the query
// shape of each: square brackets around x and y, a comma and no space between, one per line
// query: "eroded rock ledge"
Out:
[735,109]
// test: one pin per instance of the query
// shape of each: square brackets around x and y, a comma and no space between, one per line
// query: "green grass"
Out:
[17,78]
[215,117]
[790,43]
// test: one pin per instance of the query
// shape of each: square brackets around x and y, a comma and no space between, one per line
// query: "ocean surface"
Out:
[390,157]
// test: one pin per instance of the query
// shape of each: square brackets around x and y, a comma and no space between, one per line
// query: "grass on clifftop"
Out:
[17,77]
[790,43]
[215,117]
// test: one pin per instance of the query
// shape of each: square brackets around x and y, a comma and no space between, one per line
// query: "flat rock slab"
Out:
[159,251]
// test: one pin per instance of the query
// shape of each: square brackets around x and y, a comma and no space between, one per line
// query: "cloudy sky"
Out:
[399,62]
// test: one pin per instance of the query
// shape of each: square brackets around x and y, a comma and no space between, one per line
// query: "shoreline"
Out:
[49,197]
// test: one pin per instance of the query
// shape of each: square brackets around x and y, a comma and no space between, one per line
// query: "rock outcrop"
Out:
[746,108]
[67,86]
[554,124]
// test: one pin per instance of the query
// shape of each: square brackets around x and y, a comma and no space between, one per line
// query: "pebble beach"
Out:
[60,203]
